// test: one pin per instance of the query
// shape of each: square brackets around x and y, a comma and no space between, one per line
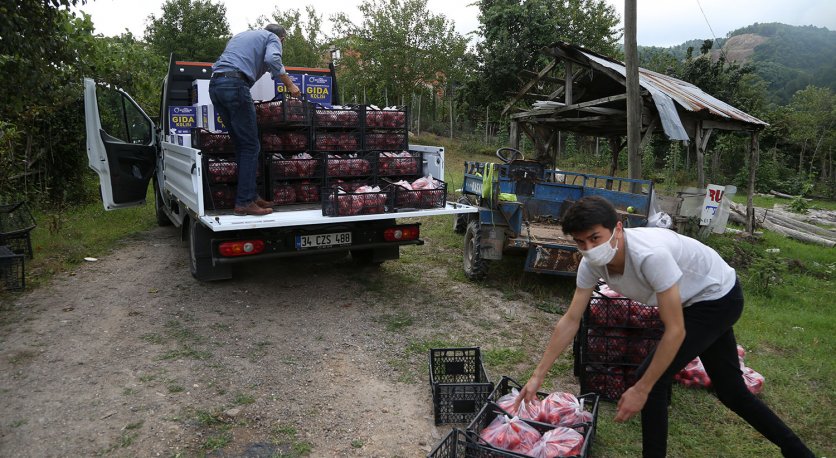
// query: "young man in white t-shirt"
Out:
[699,301]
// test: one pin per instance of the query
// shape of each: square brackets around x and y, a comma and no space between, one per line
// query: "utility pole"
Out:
[634,104]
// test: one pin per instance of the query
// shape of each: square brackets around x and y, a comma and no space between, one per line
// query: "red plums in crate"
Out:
[272,142]
[642,315]
[510,434]
[295,141]
[307,191]
[283,194]
[282,168]
[223,196]
[223,171]
[608,312]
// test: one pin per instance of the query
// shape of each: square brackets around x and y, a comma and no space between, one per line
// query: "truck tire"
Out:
[200,255]
[460,220]
[162,218]
[475,268]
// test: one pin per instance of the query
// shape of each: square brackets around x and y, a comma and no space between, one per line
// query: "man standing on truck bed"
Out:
[247,56]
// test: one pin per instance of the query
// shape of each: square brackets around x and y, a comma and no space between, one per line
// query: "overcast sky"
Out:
[660,22]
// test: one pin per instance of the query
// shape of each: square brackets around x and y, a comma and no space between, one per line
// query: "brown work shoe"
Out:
[264,203]
[252,209]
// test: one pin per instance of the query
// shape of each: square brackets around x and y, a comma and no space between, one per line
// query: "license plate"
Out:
[304,242]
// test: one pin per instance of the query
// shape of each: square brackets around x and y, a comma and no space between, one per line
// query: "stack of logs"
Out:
[792,225]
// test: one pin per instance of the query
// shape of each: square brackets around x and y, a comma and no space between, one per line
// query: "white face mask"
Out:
[602,254]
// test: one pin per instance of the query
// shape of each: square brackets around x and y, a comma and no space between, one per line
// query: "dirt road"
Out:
[129,356]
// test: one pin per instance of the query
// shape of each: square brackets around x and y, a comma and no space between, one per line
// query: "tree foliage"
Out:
[398,46]
[305,45]
[191,29]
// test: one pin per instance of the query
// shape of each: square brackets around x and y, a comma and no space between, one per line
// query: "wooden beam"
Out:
[569,81]
[601,101]
[514,141]
[648,133]
[549,79]
[730,125]
[529,85]
[580,73]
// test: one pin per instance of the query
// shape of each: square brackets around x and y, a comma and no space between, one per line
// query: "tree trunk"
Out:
[753,167]
[615,148]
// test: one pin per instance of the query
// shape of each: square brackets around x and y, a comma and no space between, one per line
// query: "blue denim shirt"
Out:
[253,53]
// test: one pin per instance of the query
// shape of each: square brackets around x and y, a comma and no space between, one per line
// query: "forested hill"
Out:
[788,57]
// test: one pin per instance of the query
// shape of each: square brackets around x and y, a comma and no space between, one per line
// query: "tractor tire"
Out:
[475,267]
[460,220]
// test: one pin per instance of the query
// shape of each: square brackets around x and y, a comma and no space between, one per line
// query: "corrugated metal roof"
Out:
[666,91]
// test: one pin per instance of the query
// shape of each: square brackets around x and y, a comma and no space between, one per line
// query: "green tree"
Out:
[513,34]
[399,47]
[305,45]
[811,118]
[191,29]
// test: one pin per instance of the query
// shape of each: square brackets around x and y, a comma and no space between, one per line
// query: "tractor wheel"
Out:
[475,268]
[460,220]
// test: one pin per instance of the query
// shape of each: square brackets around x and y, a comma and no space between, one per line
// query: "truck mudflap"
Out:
[552,259]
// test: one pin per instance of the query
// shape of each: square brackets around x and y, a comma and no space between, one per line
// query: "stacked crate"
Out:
[615,337]
[294,173]
[220,168]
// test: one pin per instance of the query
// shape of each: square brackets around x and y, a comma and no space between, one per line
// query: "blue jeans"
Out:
[709,335]
[233,101]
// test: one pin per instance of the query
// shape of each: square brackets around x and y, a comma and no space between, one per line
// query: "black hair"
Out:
[277,29]
[586,213]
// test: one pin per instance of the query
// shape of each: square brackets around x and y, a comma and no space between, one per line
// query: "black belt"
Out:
[239,75]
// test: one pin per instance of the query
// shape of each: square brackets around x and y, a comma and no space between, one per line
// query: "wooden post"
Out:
[514,141]
[420,96]
[753,167]
[568,84]
[615,148]
[634,113]
[700,157]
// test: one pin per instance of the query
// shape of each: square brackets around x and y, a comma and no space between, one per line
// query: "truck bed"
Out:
[548,233]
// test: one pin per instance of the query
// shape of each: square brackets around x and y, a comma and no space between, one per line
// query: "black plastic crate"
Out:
[386,140]
[349,165]
[419,198]
[337,202]
[298,140]
[459,382]
[224,170]
[388,118]
[490,411]
[12,273]
[400,163]
[616,345]
[505,386]
[291,166]
[609,381]
[219,144]
[345,117]
[220,197]
[16,222]
[278,113]
[606,311]
[308,191]
[19,243]
[460,444]
[348,141]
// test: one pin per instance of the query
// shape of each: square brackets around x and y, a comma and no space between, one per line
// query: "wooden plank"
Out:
[529,85]
[601,101]
[569,82]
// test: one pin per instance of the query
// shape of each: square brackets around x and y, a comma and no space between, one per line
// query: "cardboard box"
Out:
[209,119]
[278,86]
[263,89]
[200,92]
[180,139]
[182,120]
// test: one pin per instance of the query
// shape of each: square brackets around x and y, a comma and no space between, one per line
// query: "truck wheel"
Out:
[475,268]
[460,220]
[162,218]
[200,255]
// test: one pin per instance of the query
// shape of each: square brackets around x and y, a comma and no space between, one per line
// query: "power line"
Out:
[713,35]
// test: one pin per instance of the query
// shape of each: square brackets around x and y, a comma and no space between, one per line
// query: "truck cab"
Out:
[128,150]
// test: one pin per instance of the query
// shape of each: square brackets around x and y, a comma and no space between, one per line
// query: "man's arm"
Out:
[564,332]
[273,59]
[670,311]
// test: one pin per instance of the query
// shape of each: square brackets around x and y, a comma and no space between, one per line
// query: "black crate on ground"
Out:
[609,381]
[338,202]
[219,144]
[16,222]
[490,411]
[419,198]
[360,164]
[460,444]
[621,312]
[390,140]
[400,163]
[295,141]
[12,274]
[328,140]
[459,383]
[293,166]
[345,117]
[279,113]
[391,118]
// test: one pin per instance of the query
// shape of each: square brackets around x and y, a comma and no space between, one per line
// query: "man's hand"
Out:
[529,391]
[294,90]
[631,403]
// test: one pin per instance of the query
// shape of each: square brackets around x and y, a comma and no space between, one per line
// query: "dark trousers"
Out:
[232,100]
[709,335]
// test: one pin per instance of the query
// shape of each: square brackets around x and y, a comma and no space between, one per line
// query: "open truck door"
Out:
[121,145]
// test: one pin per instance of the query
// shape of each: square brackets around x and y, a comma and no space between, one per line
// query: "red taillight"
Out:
[241,248]
[401,233]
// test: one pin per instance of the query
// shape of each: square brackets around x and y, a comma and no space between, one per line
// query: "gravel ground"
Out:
[129,356]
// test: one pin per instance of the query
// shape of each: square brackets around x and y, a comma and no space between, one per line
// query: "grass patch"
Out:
[243,399]
[398,321]
[175,388]
[285,437]
[357,443]
[154,338]
[18,423]
[217,441]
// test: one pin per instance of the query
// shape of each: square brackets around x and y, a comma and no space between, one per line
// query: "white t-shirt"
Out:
[657,258]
